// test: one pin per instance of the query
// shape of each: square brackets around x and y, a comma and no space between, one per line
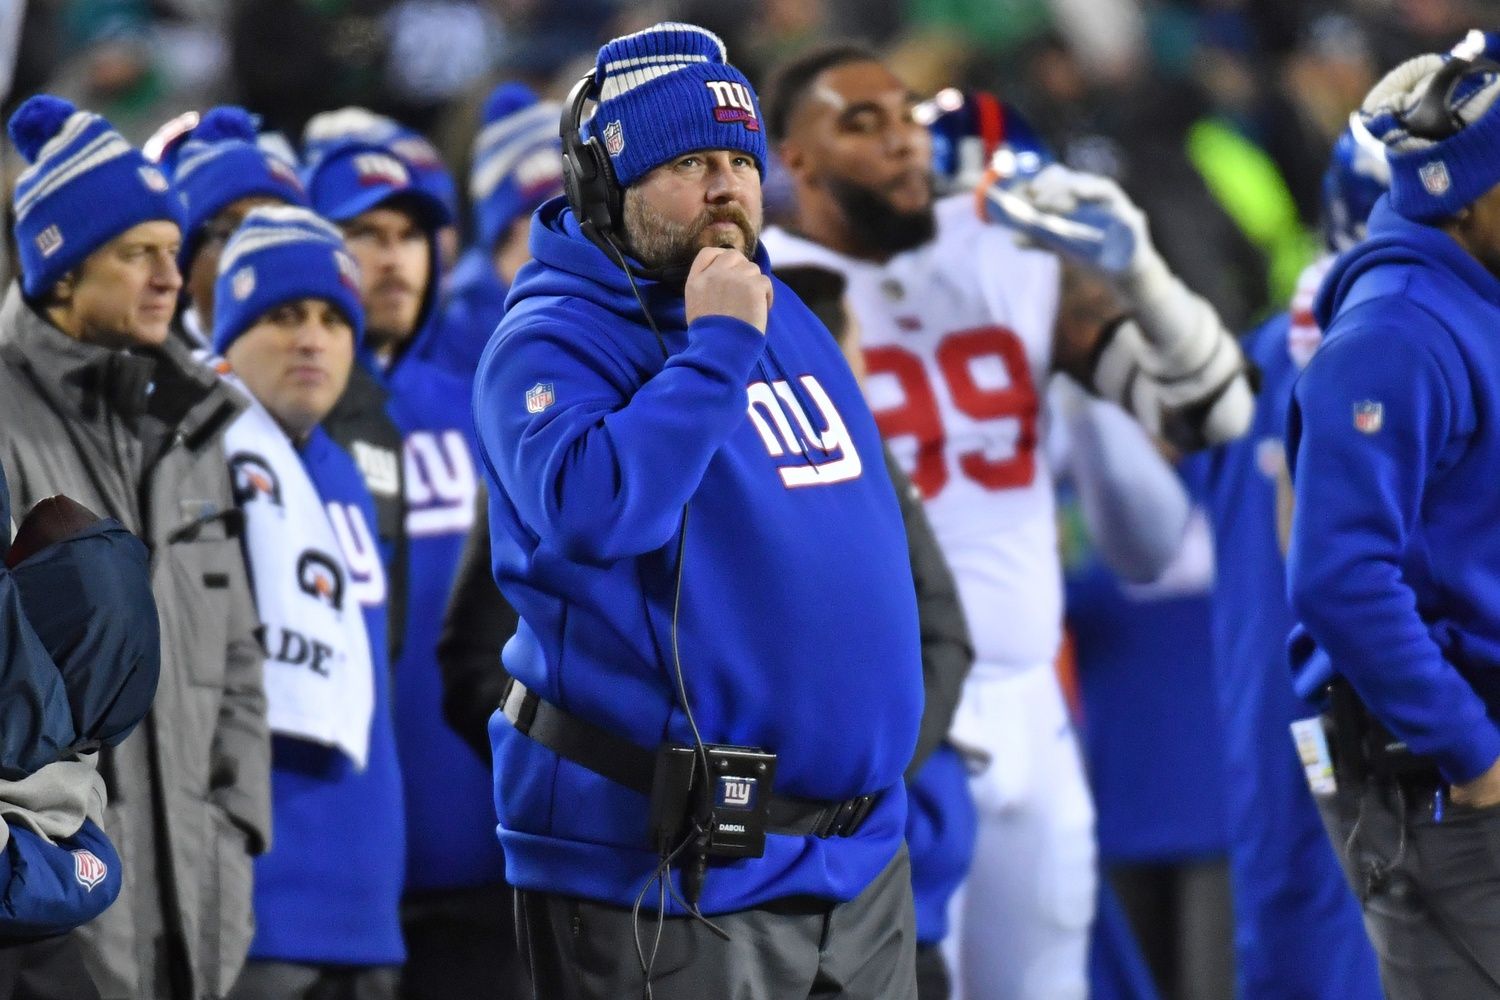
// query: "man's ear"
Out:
[793,158]
[62,291]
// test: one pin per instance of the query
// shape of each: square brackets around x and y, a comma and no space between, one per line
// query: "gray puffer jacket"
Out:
[138,436]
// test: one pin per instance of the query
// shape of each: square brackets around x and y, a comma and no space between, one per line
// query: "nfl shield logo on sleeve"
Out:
[539,397]
[1435,178]
[88,869]
[1369,416]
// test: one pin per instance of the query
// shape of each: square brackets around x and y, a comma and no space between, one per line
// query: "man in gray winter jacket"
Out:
[98,403]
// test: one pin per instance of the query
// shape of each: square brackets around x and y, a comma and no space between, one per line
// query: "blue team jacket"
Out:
[797,630]
[450,813]
[1298,930]
[1394,568]
[1150,726]
[329,890]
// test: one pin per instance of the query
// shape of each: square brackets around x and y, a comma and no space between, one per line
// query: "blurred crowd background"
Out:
[1222,109]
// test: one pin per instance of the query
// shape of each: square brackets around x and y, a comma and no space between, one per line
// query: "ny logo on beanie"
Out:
[733,103]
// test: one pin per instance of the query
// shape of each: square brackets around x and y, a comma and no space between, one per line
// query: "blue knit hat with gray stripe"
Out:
[86,185]
[279,254]
[666,91]
[517,160]
[1432,180]
[221,162]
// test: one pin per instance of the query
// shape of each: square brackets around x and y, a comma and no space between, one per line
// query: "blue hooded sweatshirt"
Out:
[1394,568]
[450,814]
[473,304]
[329,890]
[1298,930]
[797,629]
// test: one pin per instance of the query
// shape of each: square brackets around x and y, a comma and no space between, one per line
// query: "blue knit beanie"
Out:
[330,129]
[351,177]
[279,254]
[666,91]
[1431,180]
[517,160]
[85,186]
[219,163]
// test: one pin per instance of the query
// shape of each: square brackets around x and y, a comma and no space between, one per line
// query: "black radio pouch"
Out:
[727,814]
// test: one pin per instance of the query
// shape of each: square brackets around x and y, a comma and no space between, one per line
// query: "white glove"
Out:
[1064,193]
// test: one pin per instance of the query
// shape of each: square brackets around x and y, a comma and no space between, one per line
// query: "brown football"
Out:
[51,520]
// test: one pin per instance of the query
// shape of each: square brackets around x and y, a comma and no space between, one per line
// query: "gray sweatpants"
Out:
[1430,889]
[790,949]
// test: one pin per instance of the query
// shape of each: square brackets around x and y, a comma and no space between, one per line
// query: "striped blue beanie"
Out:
[517,162]
[279,254]
[221,162]
[329,130]
[666,91]
[85,186]
[1434,179]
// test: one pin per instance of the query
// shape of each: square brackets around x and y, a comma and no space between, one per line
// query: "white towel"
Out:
[320,682]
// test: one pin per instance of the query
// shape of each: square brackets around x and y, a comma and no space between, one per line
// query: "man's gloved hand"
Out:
[51,520]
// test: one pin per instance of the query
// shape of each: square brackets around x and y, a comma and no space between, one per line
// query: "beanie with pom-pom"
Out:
[220,163]
[86,185]
[517,160]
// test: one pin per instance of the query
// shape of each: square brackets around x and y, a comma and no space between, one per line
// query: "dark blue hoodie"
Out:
[797,629]
[1394,436]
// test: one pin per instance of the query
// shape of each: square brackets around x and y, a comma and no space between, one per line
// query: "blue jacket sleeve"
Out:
[601,472]
[1359,494]
[48,888]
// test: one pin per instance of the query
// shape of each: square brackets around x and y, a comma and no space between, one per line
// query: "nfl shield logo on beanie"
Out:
[1435,178]
[614,139]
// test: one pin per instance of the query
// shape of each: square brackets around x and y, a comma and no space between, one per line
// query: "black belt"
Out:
[625,763]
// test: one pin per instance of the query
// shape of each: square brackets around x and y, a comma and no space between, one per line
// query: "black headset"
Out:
[588,176]
[1434,116]
[597,198]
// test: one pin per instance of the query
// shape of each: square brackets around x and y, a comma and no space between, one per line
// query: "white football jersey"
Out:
[958,339]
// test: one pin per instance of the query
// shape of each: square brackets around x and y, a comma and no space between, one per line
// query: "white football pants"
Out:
[1019,927]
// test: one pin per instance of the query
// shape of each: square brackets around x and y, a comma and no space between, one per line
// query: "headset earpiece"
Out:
[1433,117]
[588,176]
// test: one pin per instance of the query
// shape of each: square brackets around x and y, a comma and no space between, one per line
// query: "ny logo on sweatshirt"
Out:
[818,458]
[361,553]
[440,483]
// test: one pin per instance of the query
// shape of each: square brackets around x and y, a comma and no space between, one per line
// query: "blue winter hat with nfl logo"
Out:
[86,185]
[279,254]
[666,91]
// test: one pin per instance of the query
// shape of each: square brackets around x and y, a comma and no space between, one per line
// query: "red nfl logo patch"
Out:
[539,397]
[88,869]
[1369,416]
